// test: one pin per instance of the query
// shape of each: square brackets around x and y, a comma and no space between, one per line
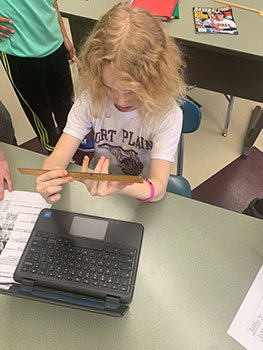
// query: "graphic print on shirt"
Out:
[128,160]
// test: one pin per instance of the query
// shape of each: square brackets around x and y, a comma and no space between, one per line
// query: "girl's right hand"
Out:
[51,183]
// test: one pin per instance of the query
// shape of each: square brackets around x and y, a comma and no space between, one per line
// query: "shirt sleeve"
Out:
[80,121]
[167,136]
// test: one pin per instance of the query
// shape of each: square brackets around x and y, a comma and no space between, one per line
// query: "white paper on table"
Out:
[247,326]
[18,213]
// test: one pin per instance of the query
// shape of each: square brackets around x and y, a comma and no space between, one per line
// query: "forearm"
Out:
[159,175]
[63,152]
[60,21]
[143,191]
[52,162]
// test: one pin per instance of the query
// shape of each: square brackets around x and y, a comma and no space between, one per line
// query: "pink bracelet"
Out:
[152,192]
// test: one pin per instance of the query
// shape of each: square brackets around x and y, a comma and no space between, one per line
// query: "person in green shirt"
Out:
[7,135]
[35,51]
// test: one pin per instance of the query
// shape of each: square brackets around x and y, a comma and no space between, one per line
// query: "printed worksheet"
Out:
[247,326]
[18,213]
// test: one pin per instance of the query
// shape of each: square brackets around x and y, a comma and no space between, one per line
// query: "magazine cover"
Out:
[214,20]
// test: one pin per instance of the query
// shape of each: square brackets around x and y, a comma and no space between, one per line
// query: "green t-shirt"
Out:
[37,31]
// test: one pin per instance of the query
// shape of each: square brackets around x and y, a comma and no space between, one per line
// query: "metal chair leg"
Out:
[180,156]
[229,111]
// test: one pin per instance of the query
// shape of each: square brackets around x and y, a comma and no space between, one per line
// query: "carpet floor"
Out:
[235,185]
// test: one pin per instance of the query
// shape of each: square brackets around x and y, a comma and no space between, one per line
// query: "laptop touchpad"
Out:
[89,228]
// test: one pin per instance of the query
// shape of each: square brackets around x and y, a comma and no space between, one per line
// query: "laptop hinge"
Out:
[112,300]
[27,285]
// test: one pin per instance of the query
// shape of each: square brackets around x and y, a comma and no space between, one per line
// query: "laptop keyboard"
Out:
[97,264]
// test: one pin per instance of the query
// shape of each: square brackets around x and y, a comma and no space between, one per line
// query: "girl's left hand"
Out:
[101,188]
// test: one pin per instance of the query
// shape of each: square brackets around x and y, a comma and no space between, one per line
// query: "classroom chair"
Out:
[191,120]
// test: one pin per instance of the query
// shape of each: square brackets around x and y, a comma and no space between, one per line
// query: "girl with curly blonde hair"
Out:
[128,92]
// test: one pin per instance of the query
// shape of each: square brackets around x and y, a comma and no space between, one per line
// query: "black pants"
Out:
[43,87]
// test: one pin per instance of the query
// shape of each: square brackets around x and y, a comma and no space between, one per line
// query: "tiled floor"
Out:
[206,150]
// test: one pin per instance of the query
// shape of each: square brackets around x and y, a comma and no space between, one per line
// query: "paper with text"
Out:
[247,326]
[18,213]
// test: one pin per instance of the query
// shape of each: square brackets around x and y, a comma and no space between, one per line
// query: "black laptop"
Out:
[80,261]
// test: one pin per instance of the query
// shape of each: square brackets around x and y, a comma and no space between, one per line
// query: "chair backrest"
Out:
[191,117]
[191,121]
[179,185]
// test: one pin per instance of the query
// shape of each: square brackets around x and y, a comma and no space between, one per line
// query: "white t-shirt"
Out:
[123,140]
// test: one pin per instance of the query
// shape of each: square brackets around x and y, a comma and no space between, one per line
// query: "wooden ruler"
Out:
[87,176]
[260,12]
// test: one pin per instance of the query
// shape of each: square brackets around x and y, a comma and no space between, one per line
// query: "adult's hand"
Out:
[70,48]
[4,176]
[4,30]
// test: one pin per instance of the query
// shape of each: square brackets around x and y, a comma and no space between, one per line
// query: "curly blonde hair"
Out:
[142,57]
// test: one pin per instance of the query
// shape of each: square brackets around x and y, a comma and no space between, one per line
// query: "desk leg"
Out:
[229,111]
[254,128]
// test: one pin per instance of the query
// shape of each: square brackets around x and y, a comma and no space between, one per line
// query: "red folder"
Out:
[158,8]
